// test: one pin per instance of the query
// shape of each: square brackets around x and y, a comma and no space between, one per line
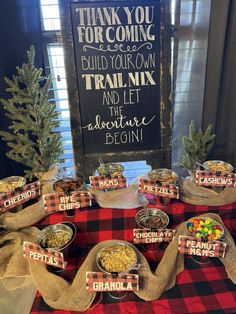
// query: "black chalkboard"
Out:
[117,53]
[117,57]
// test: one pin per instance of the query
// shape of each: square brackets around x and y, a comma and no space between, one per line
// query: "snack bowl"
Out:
[152,218]
[205,228]
[117,258]
[68,184]
[112,169]
[218,166]
[57,237]
[163,175]
[11,183]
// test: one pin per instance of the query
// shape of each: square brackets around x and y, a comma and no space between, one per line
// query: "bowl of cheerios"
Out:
[11,183]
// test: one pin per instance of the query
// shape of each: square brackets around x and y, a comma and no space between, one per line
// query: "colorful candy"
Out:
[205,228]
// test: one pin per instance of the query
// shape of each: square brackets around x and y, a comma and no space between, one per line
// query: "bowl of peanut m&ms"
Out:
[205,228]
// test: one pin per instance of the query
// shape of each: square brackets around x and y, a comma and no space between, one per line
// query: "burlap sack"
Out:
[33,213]
[123,198]
[198,195]
[59,294]
[12,262]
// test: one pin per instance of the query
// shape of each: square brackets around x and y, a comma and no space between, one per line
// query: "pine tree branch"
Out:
[31,139]
[196,146]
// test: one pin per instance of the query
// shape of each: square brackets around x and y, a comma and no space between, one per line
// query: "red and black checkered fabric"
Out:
[46,256]
[185,246]
[19,196]
[153,187]
[208,178]
[108,182]
[124,279]
[200,289]
[53,201]
[145,235]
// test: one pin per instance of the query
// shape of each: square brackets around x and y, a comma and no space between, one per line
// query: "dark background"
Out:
[19,28]
[91,101]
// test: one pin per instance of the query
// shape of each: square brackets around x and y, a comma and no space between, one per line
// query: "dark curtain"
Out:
[220,100]
[19,28]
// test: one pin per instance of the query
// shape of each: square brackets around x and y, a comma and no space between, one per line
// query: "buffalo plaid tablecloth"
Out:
[199,288]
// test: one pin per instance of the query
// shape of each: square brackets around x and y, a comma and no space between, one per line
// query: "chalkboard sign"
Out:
[115,78]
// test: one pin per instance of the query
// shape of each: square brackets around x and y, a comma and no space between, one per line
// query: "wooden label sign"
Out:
[98,281]
[150,236]
[117,54]
[207,178]
[153,187]
[107,182]
[59,201]
[19,196]
[194,246]
[46,256]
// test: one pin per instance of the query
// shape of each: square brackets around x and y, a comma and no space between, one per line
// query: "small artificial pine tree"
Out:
[32,141]
[196,147]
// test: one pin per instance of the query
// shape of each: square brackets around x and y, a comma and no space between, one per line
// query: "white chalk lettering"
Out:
[19,198]
[121,122]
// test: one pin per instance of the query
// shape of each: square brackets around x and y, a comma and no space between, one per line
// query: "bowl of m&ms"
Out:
[205,228]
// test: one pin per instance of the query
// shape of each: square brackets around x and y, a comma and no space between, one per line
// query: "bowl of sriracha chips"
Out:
[205,228]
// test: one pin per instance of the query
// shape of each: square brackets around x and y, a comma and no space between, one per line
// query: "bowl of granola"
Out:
[117,258]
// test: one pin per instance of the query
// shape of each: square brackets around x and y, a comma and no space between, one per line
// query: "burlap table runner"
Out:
[199,195]
[12,262]
[127,198]
[33,213]
[59,294]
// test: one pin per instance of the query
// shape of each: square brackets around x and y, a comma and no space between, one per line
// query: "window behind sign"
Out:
[54,65]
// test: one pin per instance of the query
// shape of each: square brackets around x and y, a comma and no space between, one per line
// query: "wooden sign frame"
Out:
[88,163]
